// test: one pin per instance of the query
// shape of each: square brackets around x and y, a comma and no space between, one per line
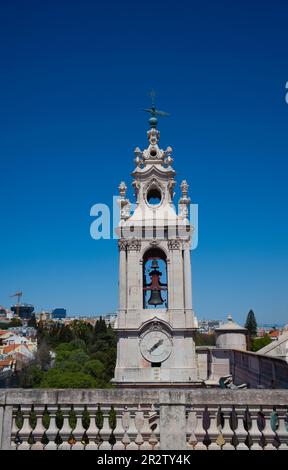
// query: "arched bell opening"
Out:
[155,289]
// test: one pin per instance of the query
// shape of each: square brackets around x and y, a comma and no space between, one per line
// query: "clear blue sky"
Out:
[74,79]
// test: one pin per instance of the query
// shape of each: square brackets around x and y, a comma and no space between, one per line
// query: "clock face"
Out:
[156,346]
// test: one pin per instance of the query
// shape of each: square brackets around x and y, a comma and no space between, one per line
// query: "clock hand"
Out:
[156,345]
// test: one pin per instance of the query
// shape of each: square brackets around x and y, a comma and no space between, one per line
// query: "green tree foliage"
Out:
[251,324]
[15,322]
[31,377]
[100,327]
[84,356]
[32,323]
[56,378]
[259,343]
[204,339]
[95,368]
[11,324]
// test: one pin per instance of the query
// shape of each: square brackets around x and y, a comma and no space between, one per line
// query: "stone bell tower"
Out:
[155,322]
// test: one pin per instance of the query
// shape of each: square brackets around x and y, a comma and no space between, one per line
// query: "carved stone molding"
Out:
[173,244]
[154,243]
[134,245]
[122,245]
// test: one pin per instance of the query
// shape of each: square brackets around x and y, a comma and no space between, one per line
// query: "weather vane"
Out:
[153,121]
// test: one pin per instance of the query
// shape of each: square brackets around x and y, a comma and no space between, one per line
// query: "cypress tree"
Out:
[251,324]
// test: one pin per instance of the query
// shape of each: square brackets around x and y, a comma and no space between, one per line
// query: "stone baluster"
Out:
[190,429]
[132,433]
[146,432]
[39,429]
[206,421]
[154,426]
[52,430]
[282,430]
[26,429]
[213,429]
[268,432]
[227,432]
[220,441]
[15,439]
[65,431]
[105,432]
[248,425]
[118,431]
[240,431]
[254,431]
[234,425]
[126,423]
[274,423]
[199,431]
[92,431]
[79,430]
[139,421]
[261,422]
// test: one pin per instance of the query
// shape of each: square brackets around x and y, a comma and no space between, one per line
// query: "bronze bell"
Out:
[155,285]
[154,264]
[155,298]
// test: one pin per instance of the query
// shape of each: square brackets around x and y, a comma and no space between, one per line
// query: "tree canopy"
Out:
[251,324]
[84,356]
[259,343]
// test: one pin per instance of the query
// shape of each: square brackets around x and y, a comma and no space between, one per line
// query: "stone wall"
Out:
[258,371]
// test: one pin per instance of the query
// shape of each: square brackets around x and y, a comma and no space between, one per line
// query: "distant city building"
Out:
[24,310]
[274,334]
[26,331]
[2,312]
[16,350]
[43,316]
[208,326]
[110,319]
[59,313]
[5,315]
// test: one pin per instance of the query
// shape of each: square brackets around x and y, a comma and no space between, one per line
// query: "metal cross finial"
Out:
[152,95]
[153,111]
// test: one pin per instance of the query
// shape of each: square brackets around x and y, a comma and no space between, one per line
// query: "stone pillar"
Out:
[172,420]
[6,428]
[175,279]
[1,423]
[122,276]
[187,278]
[134,292]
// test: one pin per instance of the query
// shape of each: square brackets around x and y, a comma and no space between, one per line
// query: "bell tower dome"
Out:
[155,322]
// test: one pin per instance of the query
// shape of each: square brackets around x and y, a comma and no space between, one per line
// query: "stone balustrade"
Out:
[141,419]
[257,370]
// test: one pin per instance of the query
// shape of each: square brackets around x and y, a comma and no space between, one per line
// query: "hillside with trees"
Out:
[82,356]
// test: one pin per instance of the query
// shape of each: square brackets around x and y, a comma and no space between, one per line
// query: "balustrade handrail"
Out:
[135,396]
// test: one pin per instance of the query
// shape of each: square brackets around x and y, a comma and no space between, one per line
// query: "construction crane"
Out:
[18,295]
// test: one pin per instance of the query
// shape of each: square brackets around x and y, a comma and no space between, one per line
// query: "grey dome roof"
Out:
[230,326]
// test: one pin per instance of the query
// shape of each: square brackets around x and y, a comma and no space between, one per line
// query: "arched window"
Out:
[155,289]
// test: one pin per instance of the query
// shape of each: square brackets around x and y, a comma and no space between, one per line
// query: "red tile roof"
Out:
[5,362]
[274,333]
[10,348]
